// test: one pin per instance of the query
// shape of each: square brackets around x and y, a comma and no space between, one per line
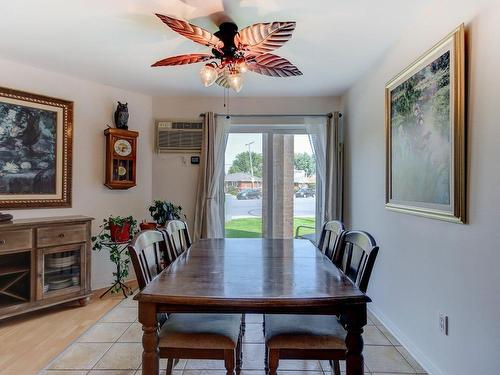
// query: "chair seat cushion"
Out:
[201,331]
[304,332]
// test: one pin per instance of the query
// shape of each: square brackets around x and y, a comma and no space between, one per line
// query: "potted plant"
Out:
[114,234]
[147,225]
[116,229]
[163,211]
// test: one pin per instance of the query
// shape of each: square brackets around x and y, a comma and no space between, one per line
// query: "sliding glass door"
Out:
[270,182]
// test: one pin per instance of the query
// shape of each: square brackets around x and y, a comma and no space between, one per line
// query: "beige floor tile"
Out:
[412,361]
[129,302]
[254,318]
[132,334]
[121,356]
[299,365]
[194,364]
[164,362]
[373,336]
[373,318]
[111,372]
[326,367]
[64,372]
[385,359]
[104,332]
[204,372]
[390,337]
[253,356]
[253,333]
[121,315]
[80,356]
[175,372]
[252,372]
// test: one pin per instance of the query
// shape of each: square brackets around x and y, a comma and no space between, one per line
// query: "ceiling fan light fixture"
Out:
[208,75]
[235,81]
[242,67]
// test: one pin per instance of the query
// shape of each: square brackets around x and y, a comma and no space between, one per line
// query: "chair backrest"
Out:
[147,252]
[358,251]
[329,240]
[177,238]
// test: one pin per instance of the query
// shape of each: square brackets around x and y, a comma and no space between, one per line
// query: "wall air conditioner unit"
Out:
[179,136]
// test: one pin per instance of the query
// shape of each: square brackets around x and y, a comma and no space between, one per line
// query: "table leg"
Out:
[355,319]
[150,354]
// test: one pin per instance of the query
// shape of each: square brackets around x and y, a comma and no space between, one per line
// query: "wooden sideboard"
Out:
[44,262]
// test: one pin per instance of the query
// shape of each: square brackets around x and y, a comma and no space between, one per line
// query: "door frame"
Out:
[267,132]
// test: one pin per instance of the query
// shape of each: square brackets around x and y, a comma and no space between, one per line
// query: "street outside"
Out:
[235,209]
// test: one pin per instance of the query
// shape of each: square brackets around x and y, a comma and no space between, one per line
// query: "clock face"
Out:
[123,147]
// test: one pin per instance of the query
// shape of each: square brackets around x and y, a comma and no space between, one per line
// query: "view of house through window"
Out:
[269,185]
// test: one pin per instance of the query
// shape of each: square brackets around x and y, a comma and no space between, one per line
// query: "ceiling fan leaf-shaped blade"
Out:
[273,65]
[195,33]
[264,37]
[183,59]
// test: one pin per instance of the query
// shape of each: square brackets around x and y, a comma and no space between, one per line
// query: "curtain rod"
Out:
[329,115]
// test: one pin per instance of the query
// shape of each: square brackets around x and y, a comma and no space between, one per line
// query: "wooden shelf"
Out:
[10,270]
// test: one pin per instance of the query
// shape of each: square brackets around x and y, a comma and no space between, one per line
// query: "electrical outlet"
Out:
[443,323]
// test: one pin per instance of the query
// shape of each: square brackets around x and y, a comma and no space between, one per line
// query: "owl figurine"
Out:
[121,116]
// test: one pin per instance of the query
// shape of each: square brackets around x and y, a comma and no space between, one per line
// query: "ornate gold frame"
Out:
[455,43]
[65,153]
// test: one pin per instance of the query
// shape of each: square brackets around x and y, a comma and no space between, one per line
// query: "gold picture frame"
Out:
[36,143]
[425,134]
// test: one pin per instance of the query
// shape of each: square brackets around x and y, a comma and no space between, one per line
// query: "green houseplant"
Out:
[114,234]
[163,211]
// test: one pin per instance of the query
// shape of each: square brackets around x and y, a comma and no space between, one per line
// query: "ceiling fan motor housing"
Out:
[227,32]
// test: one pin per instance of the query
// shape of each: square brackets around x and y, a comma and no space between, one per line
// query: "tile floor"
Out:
[113,347]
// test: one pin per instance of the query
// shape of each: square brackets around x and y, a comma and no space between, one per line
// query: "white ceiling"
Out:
[115,41]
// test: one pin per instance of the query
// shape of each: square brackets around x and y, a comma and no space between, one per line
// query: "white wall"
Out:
[174,178]
[94,106]
[427,266]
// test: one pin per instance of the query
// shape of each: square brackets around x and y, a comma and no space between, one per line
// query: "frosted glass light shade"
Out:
[235,81]
[208,75]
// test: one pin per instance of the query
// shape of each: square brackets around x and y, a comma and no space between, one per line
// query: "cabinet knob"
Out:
[61,235]
[2,242]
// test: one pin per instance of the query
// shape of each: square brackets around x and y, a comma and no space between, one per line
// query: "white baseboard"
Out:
[421,358]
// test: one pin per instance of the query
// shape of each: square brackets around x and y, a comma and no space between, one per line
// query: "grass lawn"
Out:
[252,227]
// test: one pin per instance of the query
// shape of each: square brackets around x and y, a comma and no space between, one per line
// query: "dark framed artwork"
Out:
[35,150]
[425,134]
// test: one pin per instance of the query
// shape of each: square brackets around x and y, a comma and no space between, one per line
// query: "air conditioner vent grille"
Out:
[179,136]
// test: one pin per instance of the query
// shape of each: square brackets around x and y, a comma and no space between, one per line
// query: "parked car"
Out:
[305,192]
[249,194]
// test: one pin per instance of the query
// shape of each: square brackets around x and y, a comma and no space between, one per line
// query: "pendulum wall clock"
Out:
[121,158]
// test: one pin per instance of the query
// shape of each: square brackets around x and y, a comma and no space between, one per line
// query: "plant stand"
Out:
[116,250]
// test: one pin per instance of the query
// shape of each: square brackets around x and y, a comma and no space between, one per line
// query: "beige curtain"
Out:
[334,176]
[208,219]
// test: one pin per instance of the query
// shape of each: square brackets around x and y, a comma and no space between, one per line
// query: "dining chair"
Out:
[330,239]
[329,243]
[187,336]
[321,337]
[177,238]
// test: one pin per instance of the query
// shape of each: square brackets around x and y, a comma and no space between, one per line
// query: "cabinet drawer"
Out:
[61,235]
[15,240]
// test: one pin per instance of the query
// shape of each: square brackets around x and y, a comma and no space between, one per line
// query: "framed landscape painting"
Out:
[35,150]
[425,126]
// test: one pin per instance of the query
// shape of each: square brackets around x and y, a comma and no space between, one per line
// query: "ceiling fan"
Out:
[234,52]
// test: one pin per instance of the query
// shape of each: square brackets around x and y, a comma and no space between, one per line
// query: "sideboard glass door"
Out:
[62,269]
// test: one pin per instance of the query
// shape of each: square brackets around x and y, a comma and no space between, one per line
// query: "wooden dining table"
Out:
[263,276]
